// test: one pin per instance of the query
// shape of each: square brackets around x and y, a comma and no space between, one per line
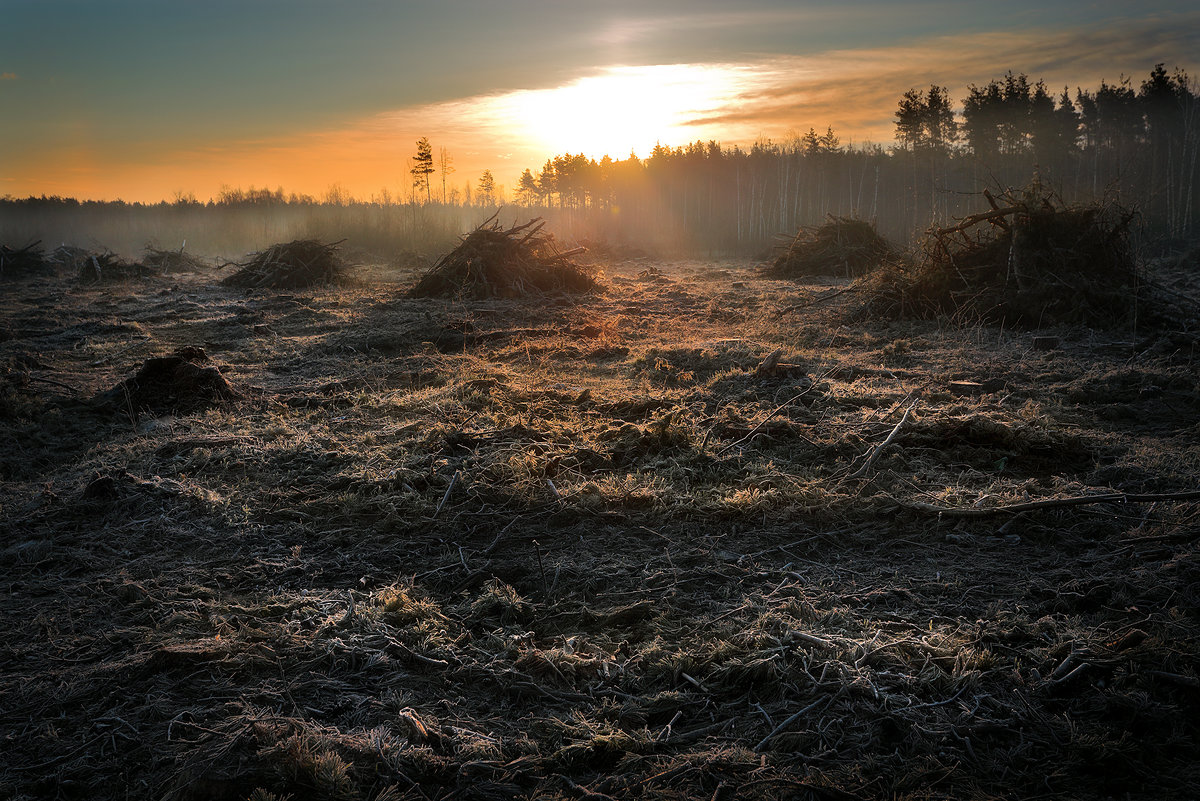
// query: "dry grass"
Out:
[585,547]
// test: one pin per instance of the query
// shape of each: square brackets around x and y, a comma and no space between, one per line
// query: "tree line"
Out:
[1137,143]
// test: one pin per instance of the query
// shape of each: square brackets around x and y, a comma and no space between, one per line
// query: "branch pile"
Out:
[68,258]
[97,268]
[1030,260]
[302,263]
[172,261]
[840,246]
[21,262]
[492,261]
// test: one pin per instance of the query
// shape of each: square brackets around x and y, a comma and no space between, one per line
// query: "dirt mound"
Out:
[492,261]
[16,263]
[172,261]
[1029,261]
[841,246]
[184,381]
[302,263]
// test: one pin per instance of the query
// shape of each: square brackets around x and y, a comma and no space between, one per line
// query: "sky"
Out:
[145,100]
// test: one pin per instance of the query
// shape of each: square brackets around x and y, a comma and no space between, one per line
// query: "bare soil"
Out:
[584,547]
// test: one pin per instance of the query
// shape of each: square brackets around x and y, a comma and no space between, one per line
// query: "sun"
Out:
[624,109]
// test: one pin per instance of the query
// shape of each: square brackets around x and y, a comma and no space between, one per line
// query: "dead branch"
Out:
[976,219]
[874,454]
[1053,503]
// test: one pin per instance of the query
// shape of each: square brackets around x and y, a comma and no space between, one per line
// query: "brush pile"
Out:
[1030,261]
[841,246]
[68,258]
[302,263]
[172,261]
[183,381]
[98,268]
[492,261]
[21,262]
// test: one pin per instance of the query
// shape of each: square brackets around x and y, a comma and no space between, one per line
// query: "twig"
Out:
[446,497]
[932,704]
[824,297]
[778,409]
[50,381]
[1051,503]
[792,719]
[874,454]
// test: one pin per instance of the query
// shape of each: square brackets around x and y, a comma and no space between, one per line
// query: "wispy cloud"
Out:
[856,91]
[650,29]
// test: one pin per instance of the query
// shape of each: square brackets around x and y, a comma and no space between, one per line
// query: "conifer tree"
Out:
[422,167]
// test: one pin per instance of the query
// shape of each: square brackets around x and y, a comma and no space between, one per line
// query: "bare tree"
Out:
[446,165]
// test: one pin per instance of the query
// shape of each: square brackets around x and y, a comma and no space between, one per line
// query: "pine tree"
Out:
[422,167]
[487,188]
[527,189]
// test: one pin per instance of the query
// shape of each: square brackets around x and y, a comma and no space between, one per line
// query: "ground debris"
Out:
[496,566]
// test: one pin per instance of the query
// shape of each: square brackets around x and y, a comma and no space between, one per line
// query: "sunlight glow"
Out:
[624,109]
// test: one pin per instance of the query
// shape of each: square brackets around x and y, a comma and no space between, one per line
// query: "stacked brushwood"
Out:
[493,261]
[1030,260]
[22,262]
[107,267]
[840,246]
[302,263]
[172,261]
[68,258]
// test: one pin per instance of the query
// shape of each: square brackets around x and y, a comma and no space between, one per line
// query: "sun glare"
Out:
[625,109]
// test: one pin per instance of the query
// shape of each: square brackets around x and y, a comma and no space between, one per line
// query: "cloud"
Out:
[856,91]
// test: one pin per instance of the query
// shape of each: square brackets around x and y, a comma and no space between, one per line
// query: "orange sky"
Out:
[613,108]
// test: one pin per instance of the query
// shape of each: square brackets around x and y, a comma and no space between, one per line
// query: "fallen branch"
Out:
[778,409]
[878,449]
[1052,503]
[975,219]
[790,720]
[820,299]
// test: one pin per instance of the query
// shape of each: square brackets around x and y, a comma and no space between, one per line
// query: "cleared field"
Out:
[703,534]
